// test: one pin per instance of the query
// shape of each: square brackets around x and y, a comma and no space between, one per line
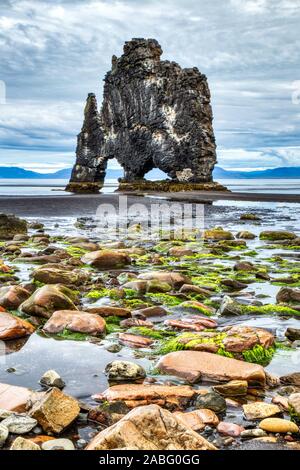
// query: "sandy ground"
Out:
[86,205]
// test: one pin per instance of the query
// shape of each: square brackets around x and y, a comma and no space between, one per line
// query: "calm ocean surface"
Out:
[47,187]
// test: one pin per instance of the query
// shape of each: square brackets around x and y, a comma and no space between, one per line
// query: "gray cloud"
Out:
[54,52]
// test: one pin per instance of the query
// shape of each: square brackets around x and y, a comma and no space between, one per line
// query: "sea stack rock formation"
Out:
[154,115]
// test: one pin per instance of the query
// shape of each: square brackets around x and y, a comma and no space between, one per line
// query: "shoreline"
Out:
[78,205]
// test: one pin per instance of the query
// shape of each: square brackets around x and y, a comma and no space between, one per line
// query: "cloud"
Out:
[54,52]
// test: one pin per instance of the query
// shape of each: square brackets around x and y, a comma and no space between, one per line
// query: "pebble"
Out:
[81,444]
[252,433]
[278,425]
[52,379]
[58,444]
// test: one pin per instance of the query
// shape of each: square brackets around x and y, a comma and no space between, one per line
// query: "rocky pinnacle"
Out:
[154,115]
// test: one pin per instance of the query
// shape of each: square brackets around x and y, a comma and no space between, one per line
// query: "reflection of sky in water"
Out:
[27,187]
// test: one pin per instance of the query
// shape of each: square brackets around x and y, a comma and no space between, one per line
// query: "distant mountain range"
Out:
[219,173]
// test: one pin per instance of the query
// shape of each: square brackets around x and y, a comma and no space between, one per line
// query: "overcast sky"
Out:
[53,53]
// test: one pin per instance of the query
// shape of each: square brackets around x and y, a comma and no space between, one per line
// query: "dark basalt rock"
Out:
[154,115]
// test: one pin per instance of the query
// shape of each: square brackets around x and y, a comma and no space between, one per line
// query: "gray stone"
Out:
[124,371]
[52,379]
[212,401]
[19,424]
[252,433]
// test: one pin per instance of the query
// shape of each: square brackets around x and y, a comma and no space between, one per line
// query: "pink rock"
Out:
[229,429]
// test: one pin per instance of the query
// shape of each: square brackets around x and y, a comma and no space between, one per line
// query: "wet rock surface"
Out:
[163,331]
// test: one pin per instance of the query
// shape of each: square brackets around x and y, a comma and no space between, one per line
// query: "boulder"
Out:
[75,321]
[246,235]
[55,411]
[260,410]
[135,341]
[192,323]
[52,379]
[278,425]
[14,398]
[139,394]
[288,295]
[211,401]
[277,235]
[24,444]
[138,286]
[293,334]
[234,388]
[105,259]
[149,428]
[149,312]
[190,420]
[190,289]
[11,297]
[217,234]
[229,429]
[249,216]
[19,424]
[124,371]
[195,365]
[233,284]
[107,311]
[244,266]
[241,338]
[180,251]
[58,275]
[193,306]
[291,379]
[46,300]
[175,279]
[10,225]
[12,327]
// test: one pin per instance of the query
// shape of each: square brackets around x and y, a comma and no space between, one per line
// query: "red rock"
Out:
[103,259]
[12,327]
[130,322]
[241,338]
[11,297]
[78,322]
[149,312]
[184,325]
[139,394]
[229,429]
[190,420]
[135,341]
[107,311]
[194,365]
[14,398]
[194,323]
[208,417]
[173,278]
